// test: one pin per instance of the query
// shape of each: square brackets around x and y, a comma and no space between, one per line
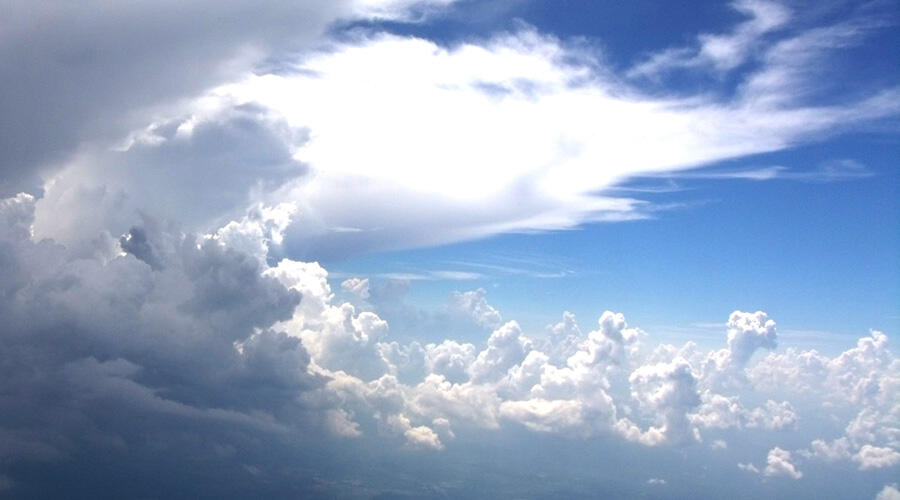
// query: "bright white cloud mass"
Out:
[172,172]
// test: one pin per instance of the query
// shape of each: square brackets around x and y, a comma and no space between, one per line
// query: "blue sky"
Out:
[821,253]
[812,248]
[449,249]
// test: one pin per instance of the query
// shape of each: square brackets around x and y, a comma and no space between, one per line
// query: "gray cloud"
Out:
[87,72]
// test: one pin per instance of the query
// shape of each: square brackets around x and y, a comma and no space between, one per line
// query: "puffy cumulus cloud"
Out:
[450,359]
[545,415]
[210,335]
[876,457]
[256,232]
[563,338]
[416,437]
[475,305]
[863,380]
[612,342]
[835,450]
[778,463]
[467,403]
[748,467]
[506,347]
[889,492]
[200,172]
[669,391]
[340,422]
[719,411]
[773,415]
[748,332]
[357,286]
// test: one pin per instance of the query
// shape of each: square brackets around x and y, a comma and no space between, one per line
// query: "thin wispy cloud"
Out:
[497,269]
[834,171]
[721,52]
[441,274]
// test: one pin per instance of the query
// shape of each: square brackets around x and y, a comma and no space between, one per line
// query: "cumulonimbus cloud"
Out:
[387,141]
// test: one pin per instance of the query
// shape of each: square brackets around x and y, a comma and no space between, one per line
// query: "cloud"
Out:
[876,457]
[207,336]
[748,467]
[170,330]
[889,492]
[441,151]
[669,391]
[77,75]
[103,67]
[184,158]
[416,437]
[357,286]
[506,348]
[778,463]
[833,171]
[720,52]
[474,303]
[450,359]
[552,176]
[718,411]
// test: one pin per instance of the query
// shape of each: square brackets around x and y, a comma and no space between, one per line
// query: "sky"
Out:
[449,249]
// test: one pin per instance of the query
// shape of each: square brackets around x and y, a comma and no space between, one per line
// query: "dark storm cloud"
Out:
[103,358]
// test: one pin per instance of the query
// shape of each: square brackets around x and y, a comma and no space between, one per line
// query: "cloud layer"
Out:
[170,330]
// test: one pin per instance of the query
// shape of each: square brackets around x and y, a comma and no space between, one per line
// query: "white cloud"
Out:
[418,437]
[778,463]
[835,450]
[832,171]
[545,415]
[357,286]
[670,392]
[748,467]
[720,52]
[748,332]
[889,492]
[474,304]
[773,415]
[876,457]
[450,143]
[450,359]
[506,348]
